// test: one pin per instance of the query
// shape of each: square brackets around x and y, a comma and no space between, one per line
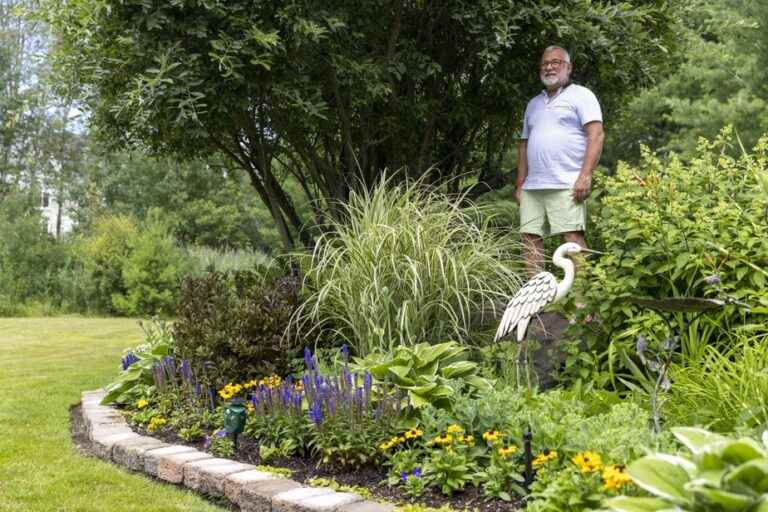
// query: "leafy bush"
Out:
[152,271]
[231,326]
[207,259]
[667,226]
[408,265]
[721,474]
[30,258]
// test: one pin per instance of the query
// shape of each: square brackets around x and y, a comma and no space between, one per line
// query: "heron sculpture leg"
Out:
[523,352]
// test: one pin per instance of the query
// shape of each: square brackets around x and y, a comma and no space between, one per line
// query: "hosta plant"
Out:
[431,374]
[721,474]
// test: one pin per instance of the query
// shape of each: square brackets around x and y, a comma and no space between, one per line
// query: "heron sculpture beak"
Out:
[591,251]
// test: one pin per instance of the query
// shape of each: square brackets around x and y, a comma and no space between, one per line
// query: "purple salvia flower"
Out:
[316,413]
[344,353]
[309,360]
[368,381]
[198,390]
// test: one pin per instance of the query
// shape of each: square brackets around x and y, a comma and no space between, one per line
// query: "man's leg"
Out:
[533,253]
[575,236]
[533,221]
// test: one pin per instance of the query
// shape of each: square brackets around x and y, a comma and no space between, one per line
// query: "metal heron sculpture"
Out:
[541,291]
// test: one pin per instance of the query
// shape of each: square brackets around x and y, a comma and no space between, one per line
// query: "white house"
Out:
[52,211]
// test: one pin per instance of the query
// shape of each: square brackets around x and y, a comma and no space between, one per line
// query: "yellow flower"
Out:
[543,458]
[506,452]
[454,429]
[588,461]
[443,440]
[492,436]
[468,440]
[156,423]
[299,386]
[141,404]
[414,433]
[249,406]
[615,477]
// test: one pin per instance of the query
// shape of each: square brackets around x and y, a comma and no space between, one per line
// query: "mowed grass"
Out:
[45,363]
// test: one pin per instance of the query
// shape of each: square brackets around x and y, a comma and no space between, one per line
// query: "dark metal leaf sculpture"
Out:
[679,304]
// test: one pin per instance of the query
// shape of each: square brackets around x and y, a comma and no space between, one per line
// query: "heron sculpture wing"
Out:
[529,300]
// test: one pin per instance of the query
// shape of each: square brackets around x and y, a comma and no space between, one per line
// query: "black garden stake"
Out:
[527,458]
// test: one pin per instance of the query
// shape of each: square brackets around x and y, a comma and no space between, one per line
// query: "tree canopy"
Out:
[333,92]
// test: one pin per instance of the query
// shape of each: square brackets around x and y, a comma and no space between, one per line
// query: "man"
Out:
[560,146]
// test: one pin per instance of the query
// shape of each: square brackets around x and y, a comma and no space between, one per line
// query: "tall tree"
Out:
[336,91]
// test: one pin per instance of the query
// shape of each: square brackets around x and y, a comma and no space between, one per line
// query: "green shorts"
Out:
[551,211]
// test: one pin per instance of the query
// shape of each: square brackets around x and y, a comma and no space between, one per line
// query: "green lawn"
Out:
[44,365]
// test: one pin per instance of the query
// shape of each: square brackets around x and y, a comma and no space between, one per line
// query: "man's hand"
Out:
[516,195]
[582,187]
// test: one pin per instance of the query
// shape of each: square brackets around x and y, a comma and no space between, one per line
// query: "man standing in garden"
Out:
[560,146]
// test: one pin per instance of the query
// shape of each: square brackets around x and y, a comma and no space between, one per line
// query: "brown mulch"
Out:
[371,477]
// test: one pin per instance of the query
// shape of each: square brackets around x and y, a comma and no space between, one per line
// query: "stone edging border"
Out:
[113,440]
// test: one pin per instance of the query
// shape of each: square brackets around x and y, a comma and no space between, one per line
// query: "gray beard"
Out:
[549,82]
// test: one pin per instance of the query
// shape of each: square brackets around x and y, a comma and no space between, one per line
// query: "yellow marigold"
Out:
[492,436]
[506,452]
[141,404]
[588,461]
[454,429]
[615,477]
[544,457]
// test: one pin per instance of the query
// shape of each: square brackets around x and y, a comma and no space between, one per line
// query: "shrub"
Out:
[151,272]
[207,259]
[667,226]
[104,253]
[407,265]
[231,325]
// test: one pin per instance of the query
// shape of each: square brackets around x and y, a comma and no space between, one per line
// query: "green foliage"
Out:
[408,265]
[430,374]
[729,389]
[231,326]
[339,90]
[721,474]
[349,442]
[712,210]
[717,83]
[151,272]
[135,379]
[30,259]
[206,259]
[450,471]
[221,445]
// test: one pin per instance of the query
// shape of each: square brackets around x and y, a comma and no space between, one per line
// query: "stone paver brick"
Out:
[367,506]
[102,446]
[207,476]
[130,452]
[329,502]
[152,457]
[234,483]
[292,501]
[100,432]
[257,496]
[171,467]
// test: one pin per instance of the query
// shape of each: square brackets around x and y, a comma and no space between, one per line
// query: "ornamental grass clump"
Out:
[406,265]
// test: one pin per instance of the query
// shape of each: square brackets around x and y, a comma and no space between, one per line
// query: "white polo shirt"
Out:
[557,141]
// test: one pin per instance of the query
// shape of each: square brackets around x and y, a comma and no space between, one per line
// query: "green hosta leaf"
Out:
[753,474]
[738,451]
[696,439]
[663,476]
[726,501]
[627,504]
[417,401]
[478,383]
[401,375]
[442,392]
[458,369]
[422,390]
[428,353]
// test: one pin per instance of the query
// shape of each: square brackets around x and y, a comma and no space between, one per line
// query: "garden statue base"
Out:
[108,437]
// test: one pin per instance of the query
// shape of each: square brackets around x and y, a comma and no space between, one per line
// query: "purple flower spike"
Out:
[344,353]
[368,381]
[316,413]
[309,360]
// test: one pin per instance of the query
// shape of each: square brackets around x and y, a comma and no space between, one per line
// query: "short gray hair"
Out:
[555,47]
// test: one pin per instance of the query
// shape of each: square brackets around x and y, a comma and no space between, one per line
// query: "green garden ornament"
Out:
[234,418]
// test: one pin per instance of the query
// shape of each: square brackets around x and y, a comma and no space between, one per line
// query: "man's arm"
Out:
[522,167]
[595,137]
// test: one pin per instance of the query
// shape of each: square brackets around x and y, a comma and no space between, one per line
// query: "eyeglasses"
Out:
[555,63]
